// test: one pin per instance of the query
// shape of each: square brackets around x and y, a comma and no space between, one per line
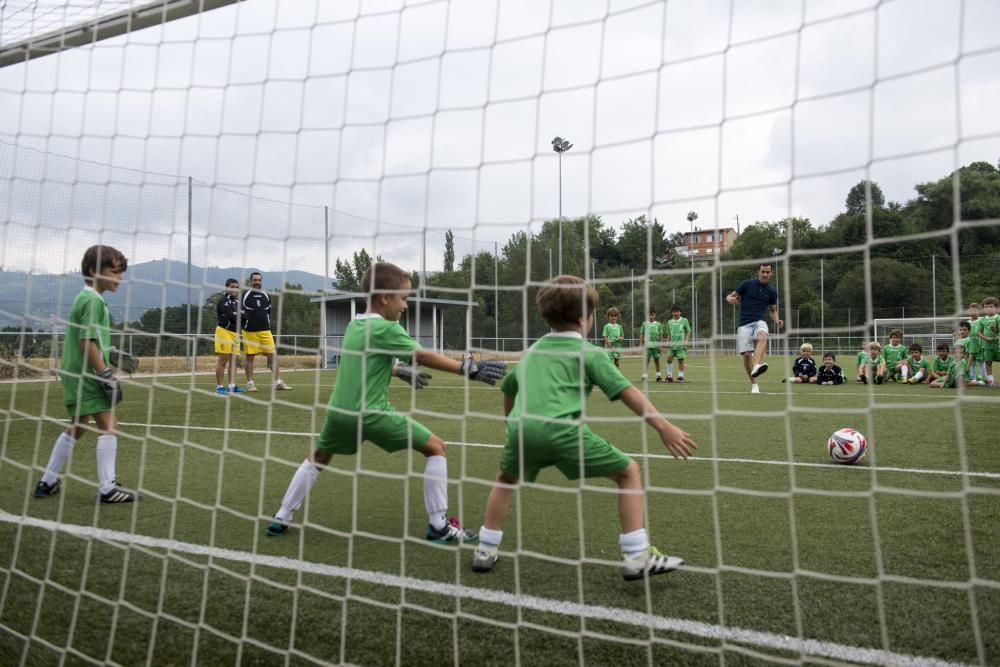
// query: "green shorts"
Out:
[974,346]
[989,353]
[677,353]
[575,451]
[614,353]
[89,399]
[392,432]
[652,353]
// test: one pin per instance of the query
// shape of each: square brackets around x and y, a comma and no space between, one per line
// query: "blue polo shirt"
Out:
[755,298]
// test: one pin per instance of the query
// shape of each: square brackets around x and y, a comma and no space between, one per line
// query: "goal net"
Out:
[674,155]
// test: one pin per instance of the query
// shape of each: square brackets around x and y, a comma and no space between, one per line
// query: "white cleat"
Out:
[754,389]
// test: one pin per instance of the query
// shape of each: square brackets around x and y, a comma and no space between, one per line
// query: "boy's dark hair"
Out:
[674,307]
[232,281]
[388,277]
[613,312]
[965,323]
[916,347]
[991,301]
[565,300]
[942,346]
[896,332]
[830,354]
[100,257]
[974,304]
[652,311]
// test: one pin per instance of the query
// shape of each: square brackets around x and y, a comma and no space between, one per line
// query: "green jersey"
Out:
[964,342]
[988,325]
[861,358]
[371,343]
[941,365]
[975,342]
[652,333]
[893,354]
[548,383]
[922,365]
[874,363]
[955,369]
[614,333]
[88,320]
[677,331]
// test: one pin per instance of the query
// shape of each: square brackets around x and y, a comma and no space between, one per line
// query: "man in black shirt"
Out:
[227,337]
[257,336]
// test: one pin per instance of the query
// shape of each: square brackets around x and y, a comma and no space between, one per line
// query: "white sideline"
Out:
[804,647]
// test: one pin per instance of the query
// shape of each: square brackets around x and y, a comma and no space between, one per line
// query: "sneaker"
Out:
[43,490]
[118,495]
[754,389]
[236,390]
[251,386]
[643,376]
[221,391]
[652,562]
[451,533]
[483,560]
[281,386]
[680,379]
[276,528]
[758,369]
[670,378]
[784,380]
[659,379]
[879,379]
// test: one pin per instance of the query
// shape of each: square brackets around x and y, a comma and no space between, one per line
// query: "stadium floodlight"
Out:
[691,217]
[560,146]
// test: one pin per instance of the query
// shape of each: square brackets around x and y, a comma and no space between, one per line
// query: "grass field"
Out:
[899,554]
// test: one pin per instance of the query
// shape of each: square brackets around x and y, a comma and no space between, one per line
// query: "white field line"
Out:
[804,647]
[487,445]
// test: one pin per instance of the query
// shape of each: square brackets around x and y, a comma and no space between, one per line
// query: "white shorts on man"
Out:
[746,336]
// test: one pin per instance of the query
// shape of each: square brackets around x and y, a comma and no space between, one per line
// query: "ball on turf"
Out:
[847,446]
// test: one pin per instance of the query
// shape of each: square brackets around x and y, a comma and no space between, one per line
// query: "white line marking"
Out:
[804,647]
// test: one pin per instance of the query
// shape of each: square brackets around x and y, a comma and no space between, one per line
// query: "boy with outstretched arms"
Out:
[614,336]
[90,388]
[678,335]
[544,399]
[650,334]
[359,407]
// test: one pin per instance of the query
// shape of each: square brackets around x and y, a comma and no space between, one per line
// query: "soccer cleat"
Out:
[118,495]
[483,560]
[879,379]
[758,369]
[451,533]
[864,379]
[680,379]
[276,528]
[281,386]
[670,378]
[251,386]
[43,490]
[650,563]
[221,391]
[236,390]
[754,389]
[659,379]
[643,376]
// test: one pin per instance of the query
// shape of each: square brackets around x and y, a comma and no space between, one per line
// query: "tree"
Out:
[348,275]
[859,194]
[449,251]
[641,243]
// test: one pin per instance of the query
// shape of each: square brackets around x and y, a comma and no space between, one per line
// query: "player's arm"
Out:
[488,371]
[677,441]
[733,298]
[508,404]
[92,353]
[773,312]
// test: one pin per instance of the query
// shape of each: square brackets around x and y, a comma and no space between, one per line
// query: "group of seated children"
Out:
[804,370]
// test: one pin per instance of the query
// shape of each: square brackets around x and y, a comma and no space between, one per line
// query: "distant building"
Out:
[706,243]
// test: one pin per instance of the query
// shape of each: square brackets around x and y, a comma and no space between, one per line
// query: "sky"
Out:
[406,119]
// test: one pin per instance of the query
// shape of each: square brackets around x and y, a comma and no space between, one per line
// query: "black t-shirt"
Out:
[227,311]
[256,310]
[755,298]
[832,374]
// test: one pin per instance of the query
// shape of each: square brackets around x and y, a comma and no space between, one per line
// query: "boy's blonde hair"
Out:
[896,333]
[387,277]
[806,348]
[875,345]
[565,301]
[613,312]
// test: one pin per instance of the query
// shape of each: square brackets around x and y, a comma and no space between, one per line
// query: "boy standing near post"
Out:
[90,388]
[650,334]
[614,336]
[678,335]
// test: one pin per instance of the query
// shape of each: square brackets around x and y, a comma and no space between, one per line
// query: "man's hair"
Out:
[256,273]
[991,301]
[916,347]
[232,281]
[831,355]
[387,278]
[896,332]
[100,257]
[763,264]
[565,300]
[613,312]
[806,347]
[942,346]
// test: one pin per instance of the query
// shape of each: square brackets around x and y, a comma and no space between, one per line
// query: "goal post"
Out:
[927,331]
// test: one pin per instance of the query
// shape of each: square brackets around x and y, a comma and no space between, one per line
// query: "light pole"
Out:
[774,253]
[560,146]
[692,216]
[496,298]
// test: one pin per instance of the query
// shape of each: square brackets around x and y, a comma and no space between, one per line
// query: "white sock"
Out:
[680,374]
[489,539]
[107,452]
[436,491]
[302,482]
[633,544]
[232,386]
[670,368]
[919,376]
[904,371]
[57,459]
[657,373]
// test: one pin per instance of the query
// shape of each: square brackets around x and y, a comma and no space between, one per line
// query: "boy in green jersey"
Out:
[544,399]
[963,337]
[678,335]
[989,336]
[918,365]
[614,336]
[939,367]
[873,370]
[958,371]
[859,375]
[895,357]
[90,388]
[650,334]
[359,407]
[973,351]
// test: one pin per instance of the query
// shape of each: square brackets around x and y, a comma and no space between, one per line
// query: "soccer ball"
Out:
[847,446]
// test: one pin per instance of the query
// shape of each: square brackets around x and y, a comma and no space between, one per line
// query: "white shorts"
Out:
[746,336]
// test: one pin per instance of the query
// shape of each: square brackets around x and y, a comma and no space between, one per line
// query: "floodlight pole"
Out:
[560,146]
[496,298]
[692,216]
[192,349]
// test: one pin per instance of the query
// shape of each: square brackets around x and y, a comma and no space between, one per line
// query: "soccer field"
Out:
[789,557]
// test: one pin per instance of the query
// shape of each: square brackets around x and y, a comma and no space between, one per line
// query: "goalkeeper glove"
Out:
[123,361]
[109,383]
[488,371]
[411,376]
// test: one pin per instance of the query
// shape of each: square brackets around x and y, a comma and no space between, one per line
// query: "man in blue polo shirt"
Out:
[756,296]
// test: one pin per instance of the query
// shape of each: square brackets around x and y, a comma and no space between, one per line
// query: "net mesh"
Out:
[309,139]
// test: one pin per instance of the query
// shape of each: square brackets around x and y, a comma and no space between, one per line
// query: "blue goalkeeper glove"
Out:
[411,376]
[109,383]
[488,371]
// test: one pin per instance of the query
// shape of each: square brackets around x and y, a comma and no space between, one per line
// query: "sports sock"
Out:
[302,482]
[658,374]
[680,374]
[57,459]
[489,539]
[107,451]
[919,376]
[634,544]
[436,491]
[670,368]
[904,371]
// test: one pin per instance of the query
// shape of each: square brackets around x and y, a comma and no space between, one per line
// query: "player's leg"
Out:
[248,364]
[221,365]
[302,483]
[48,485]
[681,354]
[670,365]
[441,528]
[490,534]
[760,346]
[107,455]
[656,362]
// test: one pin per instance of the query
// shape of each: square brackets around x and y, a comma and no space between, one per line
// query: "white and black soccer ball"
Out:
[847,446]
